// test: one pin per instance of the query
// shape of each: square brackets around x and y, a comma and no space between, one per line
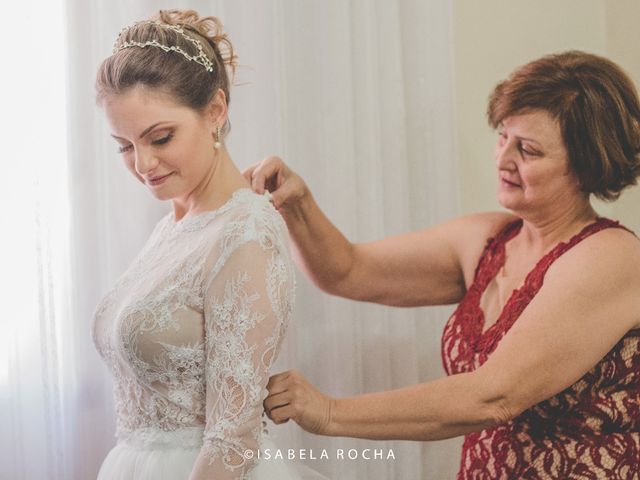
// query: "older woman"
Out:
[543,350]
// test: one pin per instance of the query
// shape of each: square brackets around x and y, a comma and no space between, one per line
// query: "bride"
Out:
[190,330]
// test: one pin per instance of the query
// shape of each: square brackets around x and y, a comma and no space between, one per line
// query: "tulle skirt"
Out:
[149,454]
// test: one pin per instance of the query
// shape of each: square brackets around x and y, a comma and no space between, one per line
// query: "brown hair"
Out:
[597,107]
[186,81]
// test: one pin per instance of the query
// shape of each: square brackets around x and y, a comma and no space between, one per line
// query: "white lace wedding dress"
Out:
[189,332]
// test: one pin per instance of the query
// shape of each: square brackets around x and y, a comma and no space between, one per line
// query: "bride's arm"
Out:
[247,305]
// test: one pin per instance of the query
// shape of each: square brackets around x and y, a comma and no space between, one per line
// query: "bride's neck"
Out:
[214,190]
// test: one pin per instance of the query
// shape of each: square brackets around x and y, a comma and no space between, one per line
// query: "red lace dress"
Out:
[591,430]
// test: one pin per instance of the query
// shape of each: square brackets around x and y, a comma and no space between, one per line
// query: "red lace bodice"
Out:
[591,430]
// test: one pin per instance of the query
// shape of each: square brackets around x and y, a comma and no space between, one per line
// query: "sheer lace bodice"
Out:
[190,330]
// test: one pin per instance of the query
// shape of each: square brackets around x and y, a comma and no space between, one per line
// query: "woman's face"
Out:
[533,164]
[167,146]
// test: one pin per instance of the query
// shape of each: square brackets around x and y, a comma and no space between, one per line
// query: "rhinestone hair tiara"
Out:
[200,58]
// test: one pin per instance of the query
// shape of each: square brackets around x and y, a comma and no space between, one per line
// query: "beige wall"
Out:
[623,46]
[492,37]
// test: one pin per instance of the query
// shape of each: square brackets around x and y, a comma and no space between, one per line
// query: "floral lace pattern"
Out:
[591,430]
[190,330]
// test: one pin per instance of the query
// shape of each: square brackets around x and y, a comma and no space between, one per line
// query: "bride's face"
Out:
[167,146]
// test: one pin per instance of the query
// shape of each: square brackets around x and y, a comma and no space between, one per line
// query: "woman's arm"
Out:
[248,303]
[588,302]
[420,268]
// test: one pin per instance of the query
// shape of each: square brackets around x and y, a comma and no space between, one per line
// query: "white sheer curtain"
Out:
[357,97]
[35,373]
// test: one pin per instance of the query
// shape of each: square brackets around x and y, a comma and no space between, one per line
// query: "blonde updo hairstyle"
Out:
[187,82]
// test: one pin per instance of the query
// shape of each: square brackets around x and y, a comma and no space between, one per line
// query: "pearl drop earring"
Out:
[217,143]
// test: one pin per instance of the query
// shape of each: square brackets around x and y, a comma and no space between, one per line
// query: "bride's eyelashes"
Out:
[161,141]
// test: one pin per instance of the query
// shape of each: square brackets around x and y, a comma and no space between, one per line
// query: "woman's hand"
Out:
[291,396]
[271,174]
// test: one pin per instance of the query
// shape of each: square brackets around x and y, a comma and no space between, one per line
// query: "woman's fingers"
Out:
[276,401]
[290,190]
[280,392]
[279,395]
[282,414]
[265,174]
[273,175]
[277,383]
[291,396]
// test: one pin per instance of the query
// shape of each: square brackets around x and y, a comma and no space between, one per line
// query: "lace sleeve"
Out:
[247,305]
